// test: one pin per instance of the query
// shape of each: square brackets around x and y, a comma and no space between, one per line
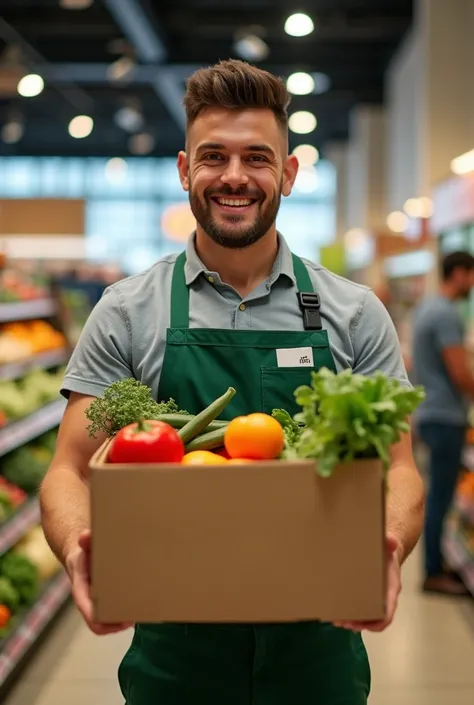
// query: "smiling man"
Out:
[219,315]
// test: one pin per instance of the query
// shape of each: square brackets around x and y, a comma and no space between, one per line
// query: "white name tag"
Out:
[295,357]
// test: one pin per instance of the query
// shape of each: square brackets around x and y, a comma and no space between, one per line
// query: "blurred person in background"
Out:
[440,364]
[236,286]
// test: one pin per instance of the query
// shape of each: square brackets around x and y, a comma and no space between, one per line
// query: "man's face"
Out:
[236,168]
[464,282]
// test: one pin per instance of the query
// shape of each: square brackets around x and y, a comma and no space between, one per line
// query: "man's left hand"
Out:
[394,587]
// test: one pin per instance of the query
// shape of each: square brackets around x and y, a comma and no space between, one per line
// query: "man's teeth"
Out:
[234,201]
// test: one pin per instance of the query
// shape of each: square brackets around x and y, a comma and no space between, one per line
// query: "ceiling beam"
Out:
[149,47]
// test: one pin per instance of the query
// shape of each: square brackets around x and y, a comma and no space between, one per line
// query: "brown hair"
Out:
[236,85]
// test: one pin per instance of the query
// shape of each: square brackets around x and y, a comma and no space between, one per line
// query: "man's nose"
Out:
[234,174]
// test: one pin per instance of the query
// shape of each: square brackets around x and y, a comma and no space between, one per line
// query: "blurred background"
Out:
[91,121]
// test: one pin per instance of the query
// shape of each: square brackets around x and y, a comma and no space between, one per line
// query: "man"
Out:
[228,303]
[440,364]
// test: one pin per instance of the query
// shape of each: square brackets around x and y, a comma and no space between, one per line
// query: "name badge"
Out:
[295,357]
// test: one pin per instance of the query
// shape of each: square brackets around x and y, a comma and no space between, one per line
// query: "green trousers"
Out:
[298,664]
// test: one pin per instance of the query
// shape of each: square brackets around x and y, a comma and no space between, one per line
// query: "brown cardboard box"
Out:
[264,542]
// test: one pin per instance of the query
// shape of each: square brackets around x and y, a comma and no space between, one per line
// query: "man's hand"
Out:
[78,567]
[394,587]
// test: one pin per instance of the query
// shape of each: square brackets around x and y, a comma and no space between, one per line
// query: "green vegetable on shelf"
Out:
[123,403]
[9,596]
[23,576]
[26,467]
[347,417]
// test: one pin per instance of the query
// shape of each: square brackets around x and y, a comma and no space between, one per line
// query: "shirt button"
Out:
[211,279]
[242,307]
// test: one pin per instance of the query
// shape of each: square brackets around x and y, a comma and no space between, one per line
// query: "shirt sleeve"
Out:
[447,328]
[103,353]
[376,344]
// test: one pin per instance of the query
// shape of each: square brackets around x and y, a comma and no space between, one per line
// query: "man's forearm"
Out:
[405,499]
[64,499]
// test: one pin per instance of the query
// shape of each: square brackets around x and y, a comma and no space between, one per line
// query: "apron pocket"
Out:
[278,387]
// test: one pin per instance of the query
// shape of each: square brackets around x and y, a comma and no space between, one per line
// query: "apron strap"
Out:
[303,280]
[179,313]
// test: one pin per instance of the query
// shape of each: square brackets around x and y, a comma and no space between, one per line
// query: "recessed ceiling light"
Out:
[116,170]
[143,143]
[397,222]
[81,126]
[299,25]
[75,4]
[300,83]
[306,154]
[30,86]
[302,122]
[252,48]
[12,132]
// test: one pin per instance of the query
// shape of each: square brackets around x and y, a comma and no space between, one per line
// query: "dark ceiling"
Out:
[72,50]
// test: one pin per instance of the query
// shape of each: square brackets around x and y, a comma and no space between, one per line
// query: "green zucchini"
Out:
[180,420]
[200,422]
[207,441]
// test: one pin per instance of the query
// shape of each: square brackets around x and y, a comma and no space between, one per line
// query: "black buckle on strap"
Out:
[310,304]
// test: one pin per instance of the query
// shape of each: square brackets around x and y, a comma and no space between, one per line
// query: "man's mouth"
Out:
[228,202]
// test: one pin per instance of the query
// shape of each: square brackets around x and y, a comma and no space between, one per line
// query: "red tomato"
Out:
[146,442]
[222,452]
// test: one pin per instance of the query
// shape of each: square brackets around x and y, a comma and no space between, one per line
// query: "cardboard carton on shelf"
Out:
[262,542]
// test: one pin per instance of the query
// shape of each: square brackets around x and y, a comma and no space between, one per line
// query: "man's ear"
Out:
[290,172]
[183,170]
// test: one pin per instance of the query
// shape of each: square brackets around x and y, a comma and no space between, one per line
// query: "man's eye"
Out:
[257,158]
[213,157]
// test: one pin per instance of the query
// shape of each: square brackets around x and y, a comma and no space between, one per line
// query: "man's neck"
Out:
[448,291]
[243,269]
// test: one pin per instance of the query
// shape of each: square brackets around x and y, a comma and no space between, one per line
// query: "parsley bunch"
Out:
[125,402]
[348,416]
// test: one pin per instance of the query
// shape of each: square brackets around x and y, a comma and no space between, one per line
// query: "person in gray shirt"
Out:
[440,365]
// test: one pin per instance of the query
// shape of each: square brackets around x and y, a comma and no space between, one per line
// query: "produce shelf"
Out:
[25,518]
[17,433]
[18,646]
[460,558]
[27,310]
[15,370]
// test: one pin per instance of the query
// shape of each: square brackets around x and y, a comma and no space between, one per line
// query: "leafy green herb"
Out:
[123,403]
[291,428]
[348,416]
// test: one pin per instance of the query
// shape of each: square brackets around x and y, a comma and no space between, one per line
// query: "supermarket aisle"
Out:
[425,659]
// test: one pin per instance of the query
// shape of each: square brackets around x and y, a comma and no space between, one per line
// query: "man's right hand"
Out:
[78,568]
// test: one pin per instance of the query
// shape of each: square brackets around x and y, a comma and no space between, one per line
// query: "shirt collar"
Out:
[283,266]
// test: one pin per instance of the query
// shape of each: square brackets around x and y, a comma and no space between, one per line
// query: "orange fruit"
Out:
[255,437]
[239,461]
[202,457]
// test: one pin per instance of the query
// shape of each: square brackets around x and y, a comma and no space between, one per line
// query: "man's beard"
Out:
[232,237]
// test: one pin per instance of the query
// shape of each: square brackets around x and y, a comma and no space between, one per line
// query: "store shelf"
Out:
[25,518]
[16,648]
[27,310]
[15,370]
[17,433]
[460,558]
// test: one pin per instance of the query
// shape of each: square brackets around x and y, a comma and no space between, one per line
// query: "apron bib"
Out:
[309,663]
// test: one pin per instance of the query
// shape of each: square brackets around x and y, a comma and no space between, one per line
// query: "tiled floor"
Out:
[426,658]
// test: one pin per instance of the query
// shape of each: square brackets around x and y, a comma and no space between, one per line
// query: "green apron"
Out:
[309,663]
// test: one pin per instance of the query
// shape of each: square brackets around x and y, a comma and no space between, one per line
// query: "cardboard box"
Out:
[263,542]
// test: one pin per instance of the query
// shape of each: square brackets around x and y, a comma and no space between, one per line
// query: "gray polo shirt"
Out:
[126,332]
[437,325]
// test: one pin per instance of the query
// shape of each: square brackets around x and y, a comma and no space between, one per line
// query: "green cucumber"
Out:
[207,441]
[200,422]
[180,420]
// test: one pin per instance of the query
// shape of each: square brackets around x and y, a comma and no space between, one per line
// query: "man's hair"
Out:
[456,260]
[236,85]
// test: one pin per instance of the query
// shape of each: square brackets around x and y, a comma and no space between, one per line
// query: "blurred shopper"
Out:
[236,287]
[440,364]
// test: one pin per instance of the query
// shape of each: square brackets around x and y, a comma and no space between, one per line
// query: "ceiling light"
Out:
[12,132]
[426,207]
[463,164]
[75,4]
[116,170]
[120,69]
[397,222]
[129,119]
[322,83]
[307,180]
[143,143]
[306,154]
[30,86]
[302,122]
[252,48]
[299,25]
[413,208]
[81,126]
[300,83]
